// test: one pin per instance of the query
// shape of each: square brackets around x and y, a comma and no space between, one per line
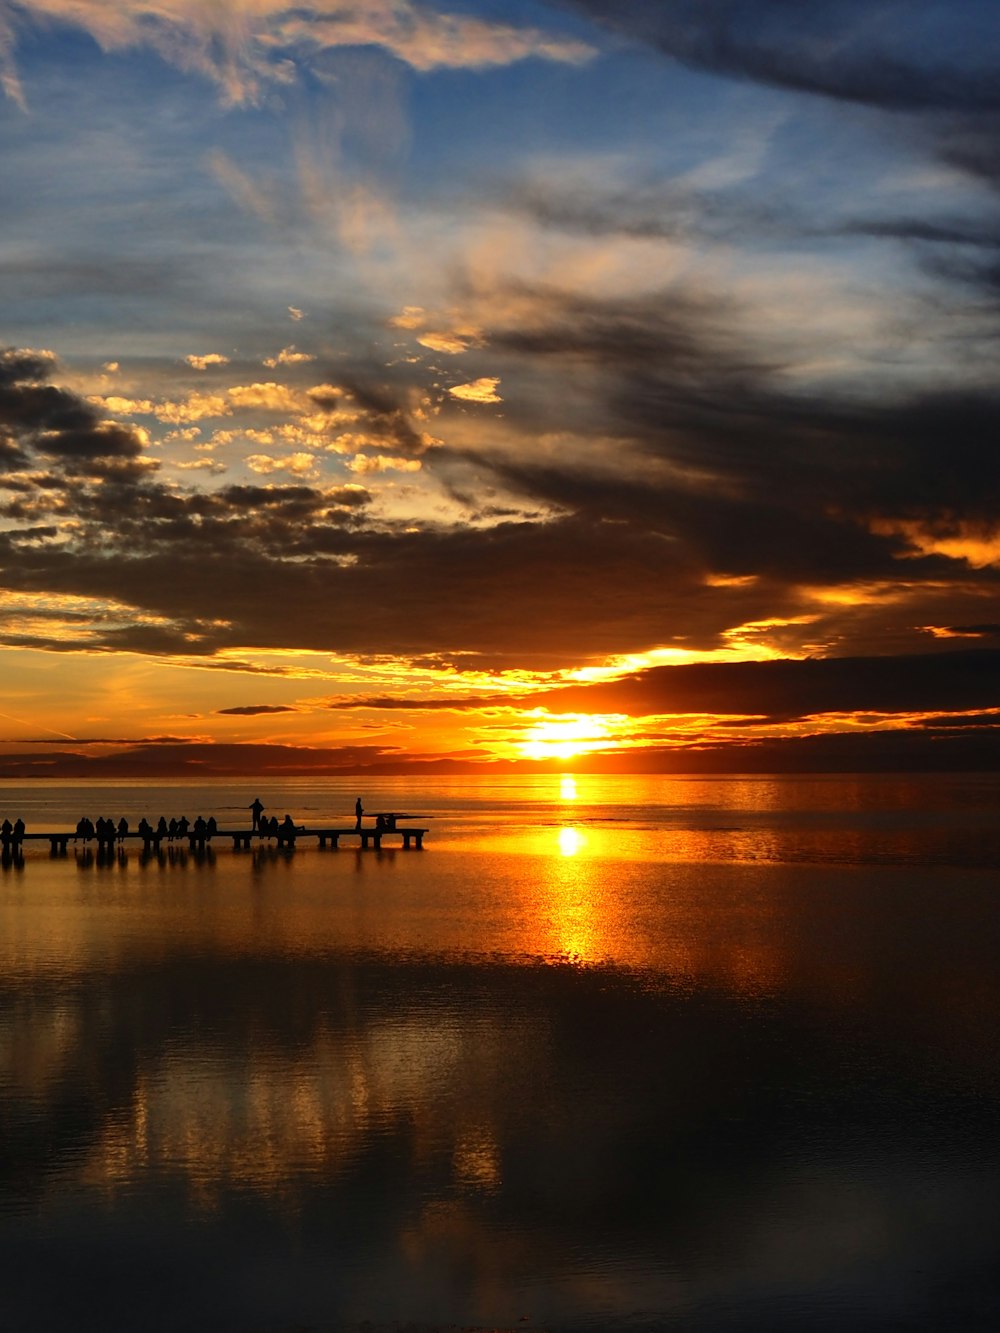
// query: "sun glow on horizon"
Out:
[570,735]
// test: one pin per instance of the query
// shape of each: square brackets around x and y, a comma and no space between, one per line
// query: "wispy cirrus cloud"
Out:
[249,46]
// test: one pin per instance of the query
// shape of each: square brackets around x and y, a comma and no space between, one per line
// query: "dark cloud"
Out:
[937,748]
[973,146]
[37,418]
[977,720]
[255,710]
[963,252]
[911,750]
[385,406]
[624,570]
[525,591]
[901,55]
[764,692]
[719,469]
[733,472]
[85,742]
[952,682]
[178,758]
[674,377]
[976,631]
[393,703]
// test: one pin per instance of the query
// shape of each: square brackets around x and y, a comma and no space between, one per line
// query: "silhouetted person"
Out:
[182,826]
[145,829]
[6,830]
[256,810]
[18,832]
[287,831]
[211,827]
[272,827]
[359,810]
[379,823]
[122,829]
[200,828]
[161,827]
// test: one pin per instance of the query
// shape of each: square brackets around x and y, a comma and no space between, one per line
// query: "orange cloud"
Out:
[478,391]
[209,359]
[380,463]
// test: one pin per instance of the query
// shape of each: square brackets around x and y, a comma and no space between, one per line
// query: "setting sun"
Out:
[567,737]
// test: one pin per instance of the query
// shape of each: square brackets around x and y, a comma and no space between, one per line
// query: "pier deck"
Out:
[241,838]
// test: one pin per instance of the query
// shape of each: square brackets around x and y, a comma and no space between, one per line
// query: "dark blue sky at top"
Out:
[112,152]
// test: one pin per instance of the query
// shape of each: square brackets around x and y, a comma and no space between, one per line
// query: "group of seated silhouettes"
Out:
[284,832]
[106,831]
[11,834]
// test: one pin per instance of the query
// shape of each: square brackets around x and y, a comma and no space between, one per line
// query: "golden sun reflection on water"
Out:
[570,841]
[578,914]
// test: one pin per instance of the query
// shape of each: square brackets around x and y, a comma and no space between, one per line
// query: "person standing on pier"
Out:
[359,810]
[257,809]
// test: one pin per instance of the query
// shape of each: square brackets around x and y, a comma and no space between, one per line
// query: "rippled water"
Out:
[608,1053]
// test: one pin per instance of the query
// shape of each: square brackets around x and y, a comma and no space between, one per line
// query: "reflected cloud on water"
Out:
[482,1129]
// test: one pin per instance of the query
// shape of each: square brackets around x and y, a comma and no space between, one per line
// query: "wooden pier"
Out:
[242,839]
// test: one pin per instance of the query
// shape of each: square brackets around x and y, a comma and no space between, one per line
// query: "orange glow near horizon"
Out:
[302,711]
[570,735]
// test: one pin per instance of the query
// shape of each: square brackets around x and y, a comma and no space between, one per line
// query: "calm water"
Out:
[607,1054]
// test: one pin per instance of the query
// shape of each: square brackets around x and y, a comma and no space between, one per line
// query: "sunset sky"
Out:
[602,384]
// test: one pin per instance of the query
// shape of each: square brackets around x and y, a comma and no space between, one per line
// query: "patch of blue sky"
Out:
[624,101]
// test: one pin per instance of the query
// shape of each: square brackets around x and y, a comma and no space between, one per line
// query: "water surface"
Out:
[608,1053]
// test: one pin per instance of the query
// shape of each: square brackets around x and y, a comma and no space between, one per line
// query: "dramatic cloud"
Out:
[954,682]
[626,336]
